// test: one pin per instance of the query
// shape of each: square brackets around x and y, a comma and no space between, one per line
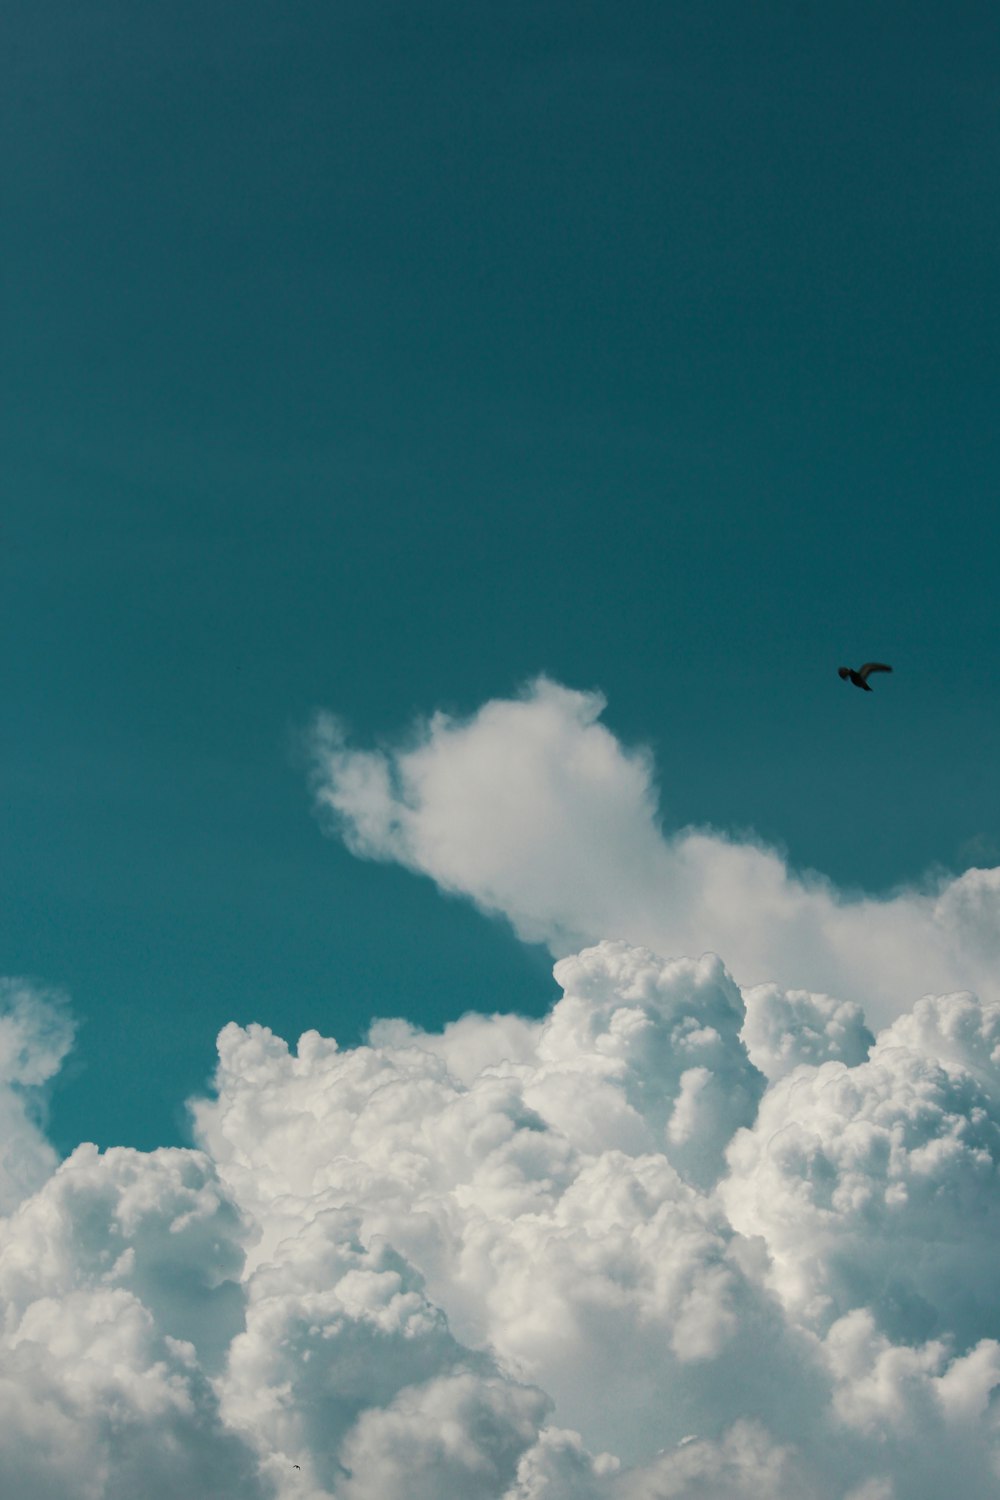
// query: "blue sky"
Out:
[377,358]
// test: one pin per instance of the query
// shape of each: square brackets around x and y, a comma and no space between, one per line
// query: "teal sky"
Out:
[379,356]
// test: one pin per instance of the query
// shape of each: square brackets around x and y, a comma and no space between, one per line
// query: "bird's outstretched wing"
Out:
[873,666]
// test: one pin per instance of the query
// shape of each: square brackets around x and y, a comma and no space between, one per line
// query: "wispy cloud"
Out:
[36,1032]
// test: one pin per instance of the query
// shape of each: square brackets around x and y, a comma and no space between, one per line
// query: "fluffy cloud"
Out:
[663,1242]
[119,1289]
[675,1240]
[784,1028]
[347,1368]
[555,1203]
[784,1270]
[879,1185]
[533,809]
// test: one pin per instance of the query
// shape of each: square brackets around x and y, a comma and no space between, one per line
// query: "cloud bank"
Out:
[671,1240]
[683,1238]
[534,810]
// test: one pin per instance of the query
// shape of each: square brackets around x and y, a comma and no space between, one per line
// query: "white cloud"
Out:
[532,1260]
[538,1183]
[36,1032]
[558,1467]
[157,1224]
[348,1369]
[459,1436]
[552,1202]
[119,1294]
[745,1465]
[785,1028]
[674,1240]
[879,1185]
[533,809]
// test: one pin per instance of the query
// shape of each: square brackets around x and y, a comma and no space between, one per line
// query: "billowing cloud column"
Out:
[549,1180]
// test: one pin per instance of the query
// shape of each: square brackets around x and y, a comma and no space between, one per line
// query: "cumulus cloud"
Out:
[554,1201]
[784,1028]
[745,1465]
[666,1241]
[698,1233]
[119,1294]
[348,1369]
[665,1288]
[879,1185]
[533,809]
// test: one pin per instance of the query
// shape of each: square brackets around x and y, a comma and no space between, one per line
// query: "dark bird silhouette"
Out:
[860,677]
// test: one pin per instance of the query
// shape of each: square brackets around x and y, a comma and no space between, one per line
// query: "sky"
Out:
[446,452]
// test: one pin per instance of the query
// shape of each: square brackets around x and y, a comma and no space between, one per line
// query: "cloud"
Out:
[745,1465]
[36,1032]
[119,1293]
[735,1272]
[601,1255]
[553,1202]
[879,1185]
[459,1436]
[785,1028]
[533,809]
[677,1239]
[347,1368]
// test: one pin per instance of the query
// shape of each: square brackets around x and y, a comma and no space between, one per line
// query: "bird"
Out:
[860,677]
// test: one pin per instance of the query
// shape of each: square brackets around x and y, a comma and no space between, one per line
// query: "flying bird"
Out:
[860,677]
